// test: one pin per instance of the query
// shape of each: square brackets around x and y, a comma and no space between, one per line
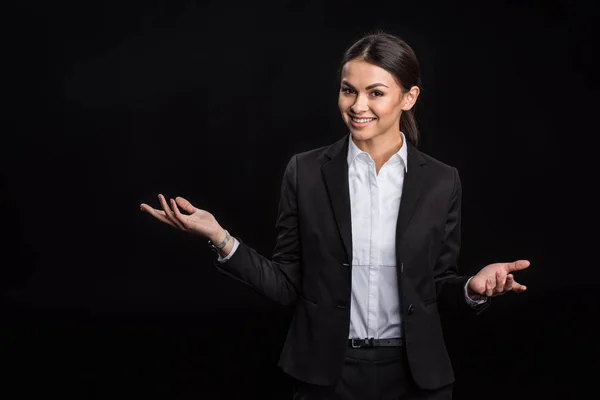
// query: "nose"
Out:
[360,105]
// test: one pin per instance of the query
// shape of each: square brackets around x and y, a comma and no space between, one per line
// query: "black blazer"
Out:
[311,263]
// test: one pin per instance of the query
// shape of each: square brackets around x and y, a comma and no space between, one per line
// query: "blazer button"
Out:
[411,309]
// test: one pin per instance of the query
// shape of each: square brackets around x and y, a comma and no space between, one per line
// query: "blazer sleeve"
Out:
[449,284]
[277,278]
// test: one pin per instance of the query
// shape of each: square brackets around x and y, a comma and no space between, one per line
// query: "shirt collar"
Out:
[354,151]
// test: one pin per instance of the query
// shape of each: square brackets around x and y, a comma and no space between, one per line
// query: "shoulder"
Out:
[435,164]
[313,155]
[436,172]
[309,162]
[320,155]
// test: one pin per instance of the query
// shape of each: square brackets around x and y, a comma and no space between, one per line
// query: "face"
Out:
[371,101]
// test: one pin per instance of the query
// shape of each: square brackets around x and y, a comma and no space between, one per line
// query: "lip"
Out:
[360,125]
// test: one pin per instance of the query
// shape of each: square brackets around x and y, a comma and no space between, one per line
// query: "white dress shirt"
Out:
[374,203]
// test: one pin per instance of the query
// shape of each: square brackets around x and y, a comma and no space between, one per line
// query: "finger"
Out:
[510,281]
[489,287]
[517,287]
[178,215]
[500,282]
[165,207]
[185,205]
[158,214]
[169,212]
[517,265]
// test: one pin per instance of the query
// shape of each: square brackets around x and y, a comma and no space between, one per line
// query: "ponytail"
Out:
[408,126]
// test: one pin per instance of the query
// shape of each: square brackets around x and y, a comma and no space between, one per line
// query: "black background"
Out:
[110,103]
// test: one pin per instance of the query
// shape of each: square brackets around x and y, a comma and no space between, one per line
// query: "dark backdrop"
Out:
[110,103]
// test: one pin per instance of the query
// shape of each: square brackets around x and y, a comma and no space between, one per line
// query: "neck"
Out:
[381,147]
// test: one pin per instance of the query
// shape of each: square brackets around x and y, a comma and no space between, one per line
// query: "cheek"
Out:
[343,103]
[386,109]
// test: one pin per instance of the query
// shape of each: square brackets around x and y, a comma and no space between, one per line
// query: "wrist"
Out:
[476,297]
[222,244]
[218,236]
[224,252]
[473,295]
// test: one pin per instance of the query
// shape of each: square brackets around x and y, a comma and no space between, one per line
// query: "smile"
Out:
[362,120]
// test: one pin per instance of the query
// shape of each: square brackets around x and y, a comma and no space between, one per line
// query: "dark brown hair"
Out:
[398,58]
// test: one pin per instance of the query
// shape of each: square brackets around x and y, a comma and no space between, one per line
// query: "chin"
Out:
[361,134]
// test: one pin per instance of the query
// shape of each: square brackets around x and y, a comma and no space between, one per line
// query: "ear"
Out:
[410,98]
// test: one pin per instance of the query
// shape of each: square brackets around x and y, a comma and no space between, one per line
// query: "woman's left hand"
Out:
[497,279]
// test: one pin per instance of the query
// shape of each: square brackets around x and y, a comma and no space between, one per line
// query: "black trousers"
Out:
[379,373]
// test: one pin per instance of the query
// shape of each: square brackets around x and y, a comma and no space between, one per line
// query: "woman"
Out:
[368,234]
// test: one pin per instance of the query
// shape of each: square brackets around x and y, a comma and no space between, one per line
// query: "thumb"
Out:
[185,205]
[517,265]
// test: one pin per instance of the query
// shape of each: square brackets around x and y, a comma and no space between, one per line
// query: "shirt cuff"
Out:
[222,259]
[470,301]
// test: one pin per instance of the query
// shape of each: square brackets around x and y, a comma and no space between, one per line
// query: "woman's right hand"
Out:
[199,222]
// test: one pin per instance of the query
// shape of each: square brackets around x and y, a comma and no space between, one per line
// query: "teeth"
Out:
[362,120]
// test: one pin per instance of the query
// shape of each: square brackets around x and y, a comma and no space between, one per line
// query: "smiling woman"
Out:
[380,80]
[368,237]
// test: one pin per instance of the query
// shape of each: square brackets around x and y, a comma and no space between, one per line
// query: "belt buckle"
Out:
[353,344]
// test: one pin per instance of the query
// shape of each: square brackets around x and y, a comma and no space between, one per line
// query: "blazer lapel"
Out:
[335,173]
[411,190]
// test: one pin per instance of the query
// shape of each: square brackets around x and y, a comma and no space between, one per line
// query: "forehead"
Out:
[361,73]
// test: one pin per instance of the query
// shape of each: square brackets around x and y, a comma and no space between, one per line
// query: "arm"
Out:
[278,278]
[451,287]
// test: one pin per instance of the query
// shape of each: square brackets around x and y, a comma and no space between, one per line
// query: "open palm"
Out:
[496,279]
[196,221]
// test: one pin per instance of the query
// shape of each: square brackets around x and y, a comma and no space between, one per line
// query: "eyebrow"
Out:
[374,85]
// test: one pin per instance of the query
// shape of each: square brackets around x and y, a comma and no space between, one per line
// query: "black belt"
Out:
[371,342]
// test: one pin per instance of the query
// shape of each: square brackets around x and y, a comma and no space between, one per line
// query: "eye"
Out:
[347,90]
[376,93]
